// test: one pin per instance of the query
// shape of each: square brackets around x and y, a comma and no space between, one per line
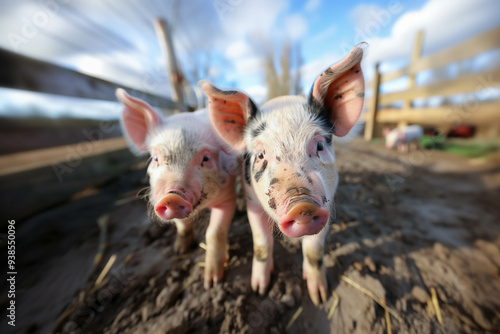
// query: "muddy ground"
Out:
[405,224]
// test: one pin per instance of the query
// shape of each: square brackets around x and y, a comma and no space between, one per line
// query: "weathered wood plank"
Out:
[173,71]
[478,114]
[21,72]
[417,51]
[30,191]
[35,133]
[463,84]
[372,105]
[65,155]
[474,46]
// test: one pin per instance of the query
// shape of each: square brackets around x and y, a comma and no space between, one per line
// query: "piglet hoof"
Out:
[316,282]
[183,242]
[214,269]
[261,274]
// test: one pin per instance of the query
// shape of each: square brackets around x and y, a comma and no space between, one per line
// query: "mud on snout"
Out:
[301,213]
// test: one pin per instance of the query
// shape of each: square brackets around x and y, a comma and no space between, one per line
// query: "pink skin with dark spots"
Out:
[177,194]
[290,172]
[306,216]
[298,213]
[191,169]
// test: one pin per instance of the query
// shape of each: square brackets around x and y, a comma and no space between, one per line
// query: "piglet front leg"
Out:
[185,235]
[216,236]
[262,263]
[314,270]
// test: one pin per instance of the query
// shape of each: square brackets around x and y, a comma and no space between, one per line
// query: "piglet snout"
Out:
[303,218]
[173,206]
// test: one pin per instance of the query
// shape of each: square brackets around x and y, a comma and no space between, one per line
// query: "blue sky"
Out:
[226,40]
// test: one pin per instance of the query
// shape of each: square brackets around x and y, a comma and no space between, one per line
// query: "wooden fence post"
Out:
[174,72]
[417,52]
[373,104]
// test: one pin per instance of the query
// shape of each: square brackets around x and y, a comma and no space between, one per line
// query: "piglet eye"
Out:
[260,155]
[205,158]
[320,146]
[155,159]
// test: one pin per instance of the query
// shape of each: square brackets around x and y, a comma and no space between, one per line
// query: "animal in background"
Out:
[190,170]
[403,139]
[290,172]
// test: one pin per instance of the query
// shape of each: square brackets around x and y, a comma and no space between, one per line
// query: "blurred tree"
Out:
[297,88]
[287,81]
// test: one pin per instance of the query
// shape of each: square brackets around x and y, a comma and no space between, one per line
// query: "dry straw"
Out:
[105,271]
[294,317]
[336,300]
[435,303]
[371,295]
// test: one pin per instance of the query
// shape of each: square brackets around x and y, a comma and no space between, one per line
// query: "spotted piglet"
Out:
[189,171]
[289,172]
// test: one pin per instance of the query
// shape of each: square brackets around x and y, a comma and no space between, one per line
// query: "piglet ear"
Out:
[341,90]
[229,112]
[138,119]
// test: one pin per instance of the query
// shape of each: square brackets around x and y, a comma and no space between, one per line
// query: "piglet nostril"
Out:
[173,206]
[303,218]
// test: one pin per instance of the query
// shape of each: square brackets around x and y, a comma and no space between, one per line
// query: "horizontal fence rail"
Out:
[34,180]
[20,162]
[438,116]
[463,84]
[25,73]
[482,43]
[483,114]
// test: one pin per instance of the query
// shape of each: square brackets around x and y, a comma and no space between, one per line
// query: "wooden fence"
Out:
[33,180]
[484,114]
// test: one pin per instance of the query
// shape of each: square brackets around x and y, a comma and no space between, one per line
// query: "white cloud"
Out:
[29,104]
[256,17]
[213,71]
[258,93]
[84,36]
[445,23]
[251,65]
[311,5]
[127,70]
[364,15]
[243,58]
[238,49]
[295,26]
[89,65]
[117,42]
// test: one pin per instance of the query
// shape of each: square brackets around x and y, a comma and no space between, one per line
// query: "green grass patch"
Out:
[469,148]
